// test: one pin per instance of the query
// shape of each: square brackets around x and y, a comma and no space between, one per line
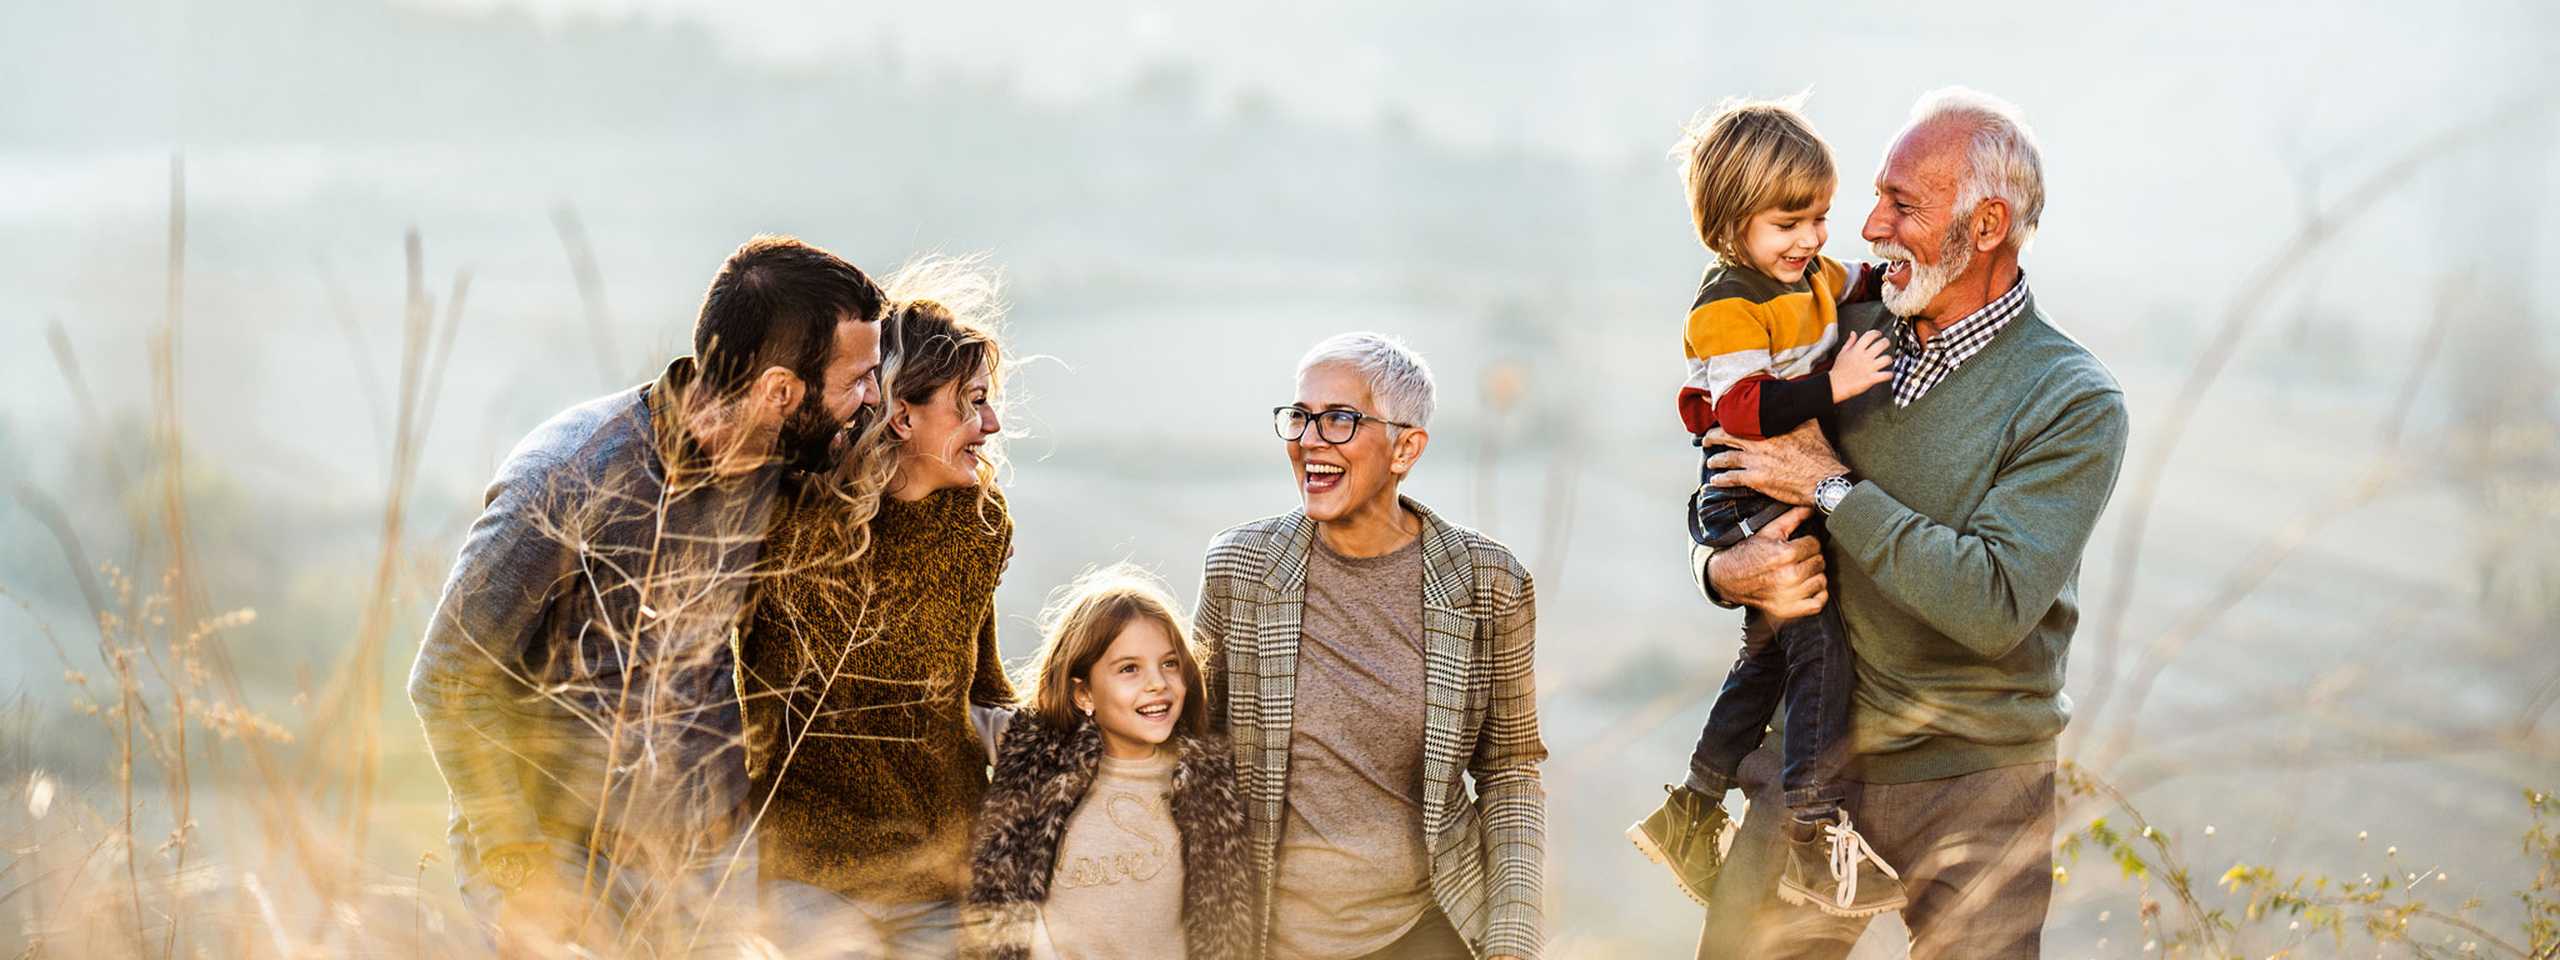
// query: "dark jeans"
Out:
[1720,517]
[1807,666]
[1432,938]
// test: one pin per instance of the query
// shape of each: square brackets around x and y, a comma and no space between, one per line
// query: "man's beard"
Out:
[810,436]
[1927,280]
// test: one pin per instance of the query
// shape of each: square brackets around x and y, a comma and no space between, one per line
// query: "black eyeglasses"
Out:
[1335,426]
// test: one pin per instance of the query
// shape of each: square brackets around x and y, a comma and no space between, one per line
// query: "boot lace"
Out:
[1847,849]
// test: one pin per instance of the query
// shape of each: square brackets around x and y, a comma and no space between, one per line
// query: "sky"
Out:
[1600,78]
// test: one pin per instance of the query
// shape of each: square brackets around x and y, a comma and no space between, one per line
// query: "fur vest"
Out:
[1042,773]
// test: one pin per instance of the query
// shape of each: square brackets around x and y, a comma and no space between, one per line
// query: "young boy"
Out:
[1765,356]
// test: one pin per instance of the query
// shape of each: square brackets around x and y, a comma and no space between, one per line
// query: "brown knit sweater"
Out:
[858,717]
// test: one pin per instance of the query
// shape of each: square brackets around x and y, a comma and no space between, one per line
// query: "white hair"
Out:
[1398,378]
[2001,156]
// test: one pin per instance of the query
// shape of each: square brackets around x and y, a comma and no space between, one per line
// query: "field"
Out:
[250,390]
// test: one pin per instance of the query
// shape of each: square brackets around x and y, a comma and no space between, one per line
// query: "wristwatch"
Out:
[1828,493]
[510,866]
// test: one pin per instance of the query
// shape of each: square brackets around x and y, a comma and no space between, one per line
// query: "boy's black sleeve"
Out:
[1787,404]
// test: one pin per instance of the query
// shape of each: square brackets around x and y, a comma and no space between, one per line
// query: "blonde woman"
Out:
[874,634]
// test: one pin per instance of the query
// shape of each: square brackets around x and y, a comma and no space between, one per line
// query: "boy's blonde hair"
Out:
[1077,628]
[1746,157]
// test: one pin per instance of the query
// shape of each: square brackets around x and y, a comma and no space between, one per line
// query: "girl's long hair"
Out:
[1077,627]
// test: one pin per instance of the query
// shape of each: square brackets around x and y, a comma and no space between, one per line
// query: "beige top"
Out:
[1353,875]
[1117,889]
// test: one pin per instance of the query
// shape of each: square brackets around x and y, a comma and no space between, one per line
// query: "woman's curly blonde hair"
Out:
[944,323]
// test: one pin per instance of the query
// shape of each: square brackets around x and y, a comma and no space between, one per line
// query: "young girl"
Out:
[1112,828]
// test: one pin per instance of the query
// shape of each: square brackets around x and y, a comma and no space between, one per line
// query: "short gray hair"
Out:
[1398,378]
[2001,156]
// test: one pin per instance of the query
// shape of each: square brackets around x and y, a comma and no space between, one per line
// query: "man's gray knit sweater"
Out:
[1955,559]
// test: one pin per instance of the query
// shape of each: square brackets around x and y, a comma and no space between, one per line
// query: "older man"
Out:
[575,680]
[1364,655]
[1955,548]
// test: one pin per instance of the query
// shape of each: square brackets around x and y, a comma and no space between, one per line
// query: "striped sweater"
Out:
[1755,347]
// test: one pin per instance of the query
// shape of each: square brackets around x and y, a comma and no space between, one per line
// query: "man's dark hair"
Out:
[776,304]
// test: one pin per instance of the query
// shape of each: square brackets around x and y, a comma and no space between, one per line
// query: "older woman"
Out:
[874,634]
[1373,662]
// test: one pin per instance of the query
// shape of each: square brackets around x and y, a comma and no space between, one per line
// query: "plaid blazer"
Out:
[1479,624]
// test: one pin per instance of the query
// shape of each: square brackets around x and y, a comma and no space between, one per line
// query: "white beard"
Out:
[1927,280]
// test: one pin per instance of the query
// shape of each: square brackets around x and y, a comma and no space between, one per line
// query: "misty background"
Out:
[2327,631]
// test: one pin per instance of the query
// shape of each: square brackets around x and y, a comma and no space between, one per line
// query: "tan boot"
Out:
[1687,835]
[1831,868]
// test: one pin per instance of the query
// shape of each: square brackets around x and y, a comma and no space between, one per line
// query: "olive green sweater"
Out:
[874,770]
[1955,559]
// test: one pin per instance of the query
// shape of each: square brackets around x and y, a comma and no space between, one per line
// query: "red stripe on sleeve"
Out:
[1738,411]
[1697,411]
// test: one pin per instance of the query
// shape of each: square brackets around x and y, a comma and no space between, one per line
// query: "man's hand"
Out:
[538,911]
[1768,572]
[536,923]
[1785,467]
[1863,362]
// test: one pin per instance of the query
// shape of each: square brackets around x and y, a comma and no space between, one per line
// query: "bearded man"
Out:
[575,681]
[1954,552]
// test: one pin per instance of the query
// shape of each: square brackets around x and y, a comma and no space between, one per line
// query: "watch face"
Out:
[1830,492]
[508,869]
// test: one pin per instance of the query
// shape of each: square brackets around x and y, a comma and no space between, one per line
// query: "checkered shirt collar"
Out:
[1917,367]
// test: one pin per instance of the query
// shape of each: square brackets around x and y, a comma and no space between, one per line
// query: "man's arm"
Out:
[1509,795]
[464,685]
[1702,560]
[1988,584]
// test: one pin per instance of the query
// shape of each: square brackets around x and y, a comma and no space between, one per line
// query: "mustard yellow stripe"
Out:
[1829,276]
[1734,324]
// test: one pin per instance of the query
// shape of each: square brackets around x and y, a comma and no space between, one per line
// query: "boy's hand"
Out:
[1863,362]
